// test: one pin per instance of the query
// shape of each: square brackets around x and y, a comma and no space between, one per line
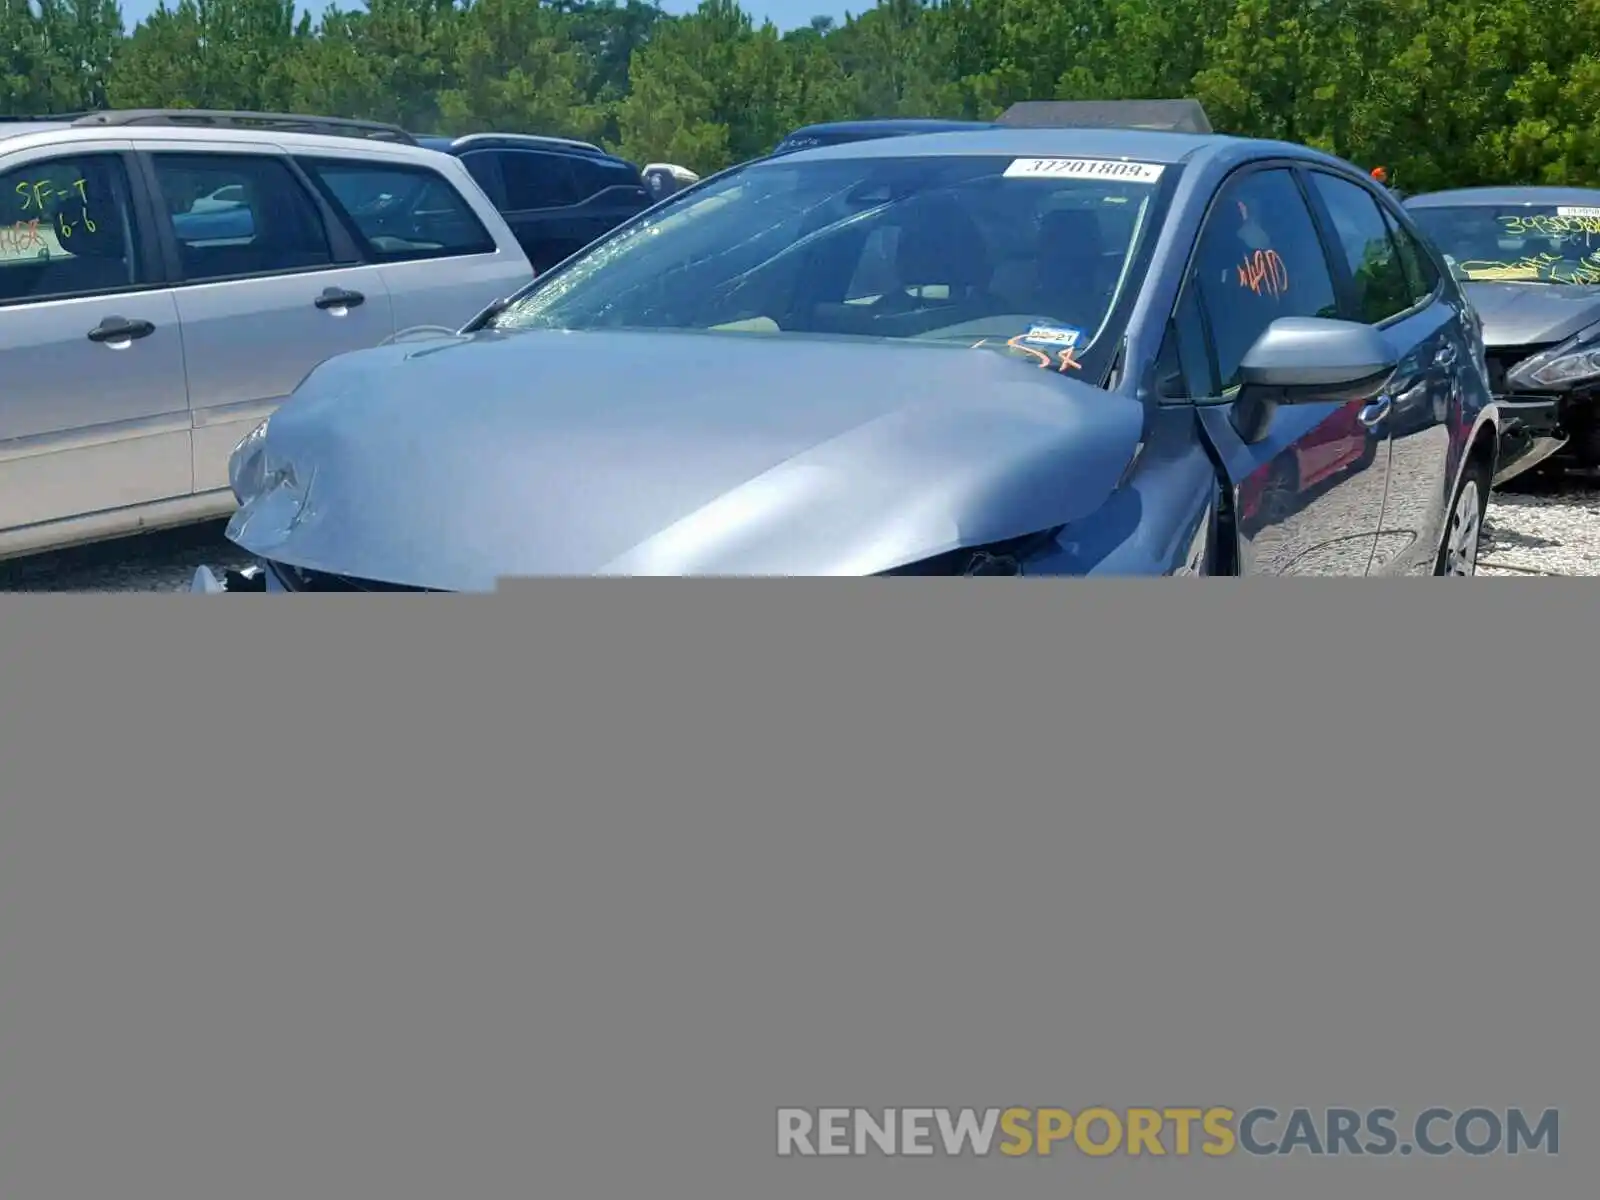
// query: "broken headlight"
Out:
[247,464]
[1574,361]
[1009,557]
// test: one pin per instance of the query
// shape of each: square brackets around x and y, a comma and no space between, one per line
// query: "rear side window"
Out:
[398,212]
[1259,259]
[536,180]
[596,176]
[239,214]
[66,229]
[1381,287]
[481,166]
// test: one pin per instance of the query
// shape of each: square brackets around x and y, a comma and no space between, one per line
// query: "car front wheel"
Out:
[1458,554]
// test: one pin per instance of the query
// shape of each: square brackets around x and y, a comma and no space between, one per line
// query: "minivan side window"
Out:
[66,229]
[236,215]
[400,212]
[537,180]
[1259,258]
[1381,287]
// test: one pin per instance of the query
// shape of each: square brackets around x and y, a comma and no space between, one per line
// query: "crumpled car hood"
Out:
[1532,314]
[451,464]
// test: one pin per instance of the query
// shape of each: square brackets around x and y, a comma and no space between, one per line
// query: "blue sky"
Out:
[786,14]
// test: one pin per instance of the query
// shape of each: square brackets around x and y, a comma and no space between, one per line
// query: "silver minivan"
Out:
[168,277]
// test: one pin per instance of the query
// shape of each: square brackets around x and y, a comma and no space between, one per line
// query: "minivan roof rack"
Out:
[220,118]
[537,139]
[42,118]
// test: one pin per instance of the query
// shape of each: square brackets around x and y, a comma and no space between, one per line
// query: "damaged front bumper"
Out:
[233,579]
[1531,431]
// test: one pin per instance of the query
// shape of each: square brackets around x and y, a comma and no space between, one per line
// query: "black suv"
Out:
[557,194]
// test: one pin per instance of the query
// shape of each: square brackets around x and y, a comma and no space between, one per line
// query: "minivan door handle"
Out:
[338,298]
[1373,414]
[120,329]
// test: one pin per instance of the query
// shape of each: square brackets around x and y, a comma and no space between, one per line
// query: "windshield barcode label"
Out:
[1084,168]
[1577,212]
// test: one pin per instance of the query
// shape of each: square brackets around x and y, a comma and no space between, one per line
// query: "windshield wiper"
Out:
[481,321]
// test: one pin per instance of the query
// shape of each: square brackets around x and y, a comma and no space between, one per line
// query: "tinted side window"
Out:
[1421,274]
[1259,259]
[239,214]
[400,212]
[599,175]
[1382,289]
[535,180]
[66,229]
[481,166]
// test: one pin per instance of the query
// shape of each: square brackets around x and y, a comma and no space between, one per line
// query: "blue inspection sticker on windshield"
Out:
[1057,337]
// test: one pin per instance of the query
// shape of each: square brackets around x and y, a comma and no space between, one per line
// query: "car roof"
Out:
[1178,116]
[1501,197]
[12,128]
[453,143]
[61,134]
[1083,142]
[200,126]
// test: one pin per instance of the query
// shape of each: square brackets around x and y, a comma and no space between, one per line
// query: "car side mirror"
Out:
[1308,360]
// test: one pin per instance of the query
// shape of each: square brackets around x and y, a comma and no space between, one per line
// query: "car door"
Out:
[429,231]
[1308,493]
[611,192]
[542,192]
[1390,290]
[94,413]
[267,289]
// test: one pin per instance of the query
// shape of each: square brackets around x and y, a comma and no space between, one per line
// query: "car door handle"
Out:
[120,329]
[339,298]
[1446,357]
[1373,414]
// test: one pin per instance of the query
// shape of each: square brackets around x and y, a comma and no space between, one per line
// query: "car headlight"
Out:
[1009,557]
[247,464]
[1575,361]
[1568,368]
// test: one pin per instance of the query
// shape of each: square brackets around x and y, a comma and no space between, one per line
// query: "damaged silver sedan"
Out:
[1000,351]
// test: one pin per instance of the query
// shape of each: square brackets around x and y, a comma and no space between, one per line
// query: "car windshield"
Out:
[1028,255]
[1518,243]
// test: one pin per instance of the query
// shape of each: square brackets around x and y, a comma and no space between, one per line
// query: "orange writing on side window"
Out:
[20,236]
[1264,273]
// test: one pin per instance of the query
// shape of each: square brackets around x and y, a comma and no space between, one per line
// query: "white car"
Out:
[168,277]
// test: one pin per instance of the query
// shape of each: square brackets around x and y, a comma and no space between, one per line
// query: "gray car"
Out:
[1529,259]
[991,352]
[166,279]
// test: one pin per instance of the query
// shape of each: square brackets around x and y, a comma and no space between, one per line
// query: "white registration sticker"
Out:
[1052,335]
[1578,211]
[1084,168]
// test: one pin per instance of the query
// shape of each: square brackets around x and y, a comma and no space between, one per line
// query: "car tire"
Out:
[1463,531]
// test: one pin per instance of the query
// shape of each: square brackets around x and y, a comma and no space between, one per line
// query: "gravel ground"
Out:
[1539,527]
[157,562]
[1543,526]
